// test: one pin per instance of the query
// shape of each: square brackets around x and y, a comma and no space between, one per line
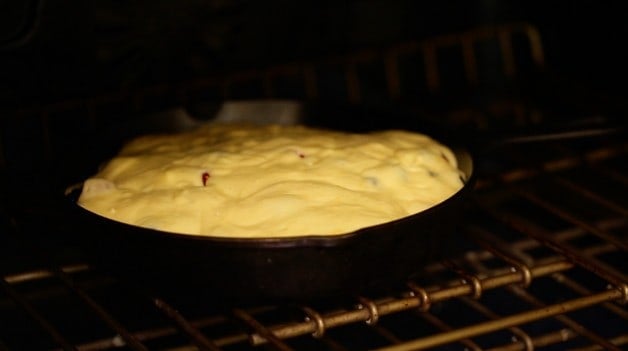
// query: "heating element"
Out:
[544,267]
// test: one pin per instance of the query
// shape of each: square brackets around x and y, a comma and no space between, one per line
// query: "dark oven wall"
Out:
[57,50]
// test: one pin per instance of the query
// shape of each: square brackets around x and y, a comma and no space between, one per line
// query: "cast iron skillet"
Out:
[292,268]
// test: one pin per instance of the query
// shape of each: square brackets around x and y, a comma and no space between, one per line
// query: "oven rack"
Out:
[527,236]
[409,72]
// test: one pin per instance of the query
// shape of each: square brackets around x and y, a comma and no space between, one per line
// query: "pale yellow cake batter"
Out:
[271,181]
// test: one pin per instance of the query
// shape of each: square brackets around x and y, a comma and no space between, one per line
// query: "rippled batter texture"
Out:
[271,181]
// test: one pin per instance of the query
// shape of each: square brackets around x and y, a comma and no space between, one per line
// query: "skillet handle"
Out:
[488,148]
[593,127]
[563,133]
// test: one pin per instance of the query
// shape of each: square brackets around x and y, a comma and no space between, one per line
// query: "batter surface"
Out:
[272,181]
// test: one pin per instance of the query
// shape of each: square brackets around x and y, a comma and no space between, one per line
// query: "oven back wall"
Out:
[51,51]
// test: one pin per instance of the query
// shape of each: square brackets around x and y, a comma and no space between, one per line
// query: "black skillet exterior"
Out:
[254,270]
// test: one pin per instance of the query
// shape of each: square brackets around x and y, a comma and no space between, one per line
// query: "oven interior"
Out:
[545,233]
